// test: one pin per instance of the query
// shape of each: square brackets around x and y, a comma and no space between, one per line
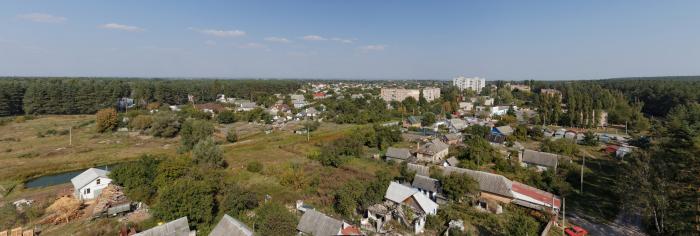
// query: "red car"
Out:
[576,231]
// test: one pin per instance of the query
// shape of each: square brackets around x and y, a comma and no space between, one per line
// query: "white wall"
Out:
[93,186]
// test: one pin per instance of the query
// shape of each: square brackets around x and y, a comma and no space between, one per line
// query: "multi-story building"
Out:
[398,94]
[431,93]
[474,83]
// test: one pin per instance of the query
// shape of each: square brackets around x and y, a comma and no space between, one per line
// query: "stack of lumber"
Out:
[110,196]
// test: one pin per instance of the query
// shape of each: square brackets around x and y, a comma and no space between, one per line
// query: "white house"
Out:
[90,183]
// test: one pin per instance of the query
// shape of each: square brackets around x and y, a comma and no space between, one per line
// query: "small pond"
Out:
[56,179]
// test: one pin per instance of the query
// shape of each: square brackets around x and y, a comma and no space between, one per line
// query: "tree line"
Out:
[20,96]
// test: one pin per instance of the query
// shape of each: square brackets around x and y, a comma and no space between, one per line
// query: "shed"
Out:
[398,154]
[90,183]
[318,224]
[179,227]
[228,226]
[426,183]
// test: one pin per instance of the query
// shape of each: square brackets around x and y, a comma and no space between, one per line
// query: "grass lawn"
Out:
[598,201]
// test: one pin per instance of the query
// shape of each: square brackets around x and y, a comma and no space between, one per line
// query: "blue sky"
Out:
[548,40]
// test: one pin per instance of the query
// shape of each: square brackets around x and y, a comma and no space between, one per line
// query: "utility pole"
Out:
[563,217]
[70,136]
[582,165]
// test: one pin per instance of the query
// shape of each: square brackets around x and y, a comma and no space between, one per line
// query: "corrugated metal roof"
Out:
[488,182]
[540,158]
[433,147]
[398,192]
[419,169]
[398,153]
[88,176]
[228,226]
[425,183]
[452,161]
[425,203]
[318,224]
[178,227]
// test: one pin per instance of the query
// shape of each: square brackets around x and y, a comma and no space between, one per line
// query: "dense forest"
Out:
[87,95]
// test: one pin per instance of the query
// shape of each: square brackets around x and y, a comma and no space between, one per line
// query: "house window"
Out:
[87,191]
[98,181]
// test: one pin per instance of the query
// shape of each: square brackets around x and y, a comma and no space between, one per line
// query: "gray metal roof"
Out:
[505,129]
[540,158]
[88,176]
[452,161]
[177,227]
[228,226]
[433,147]
[419,169]
[425,183]
[398,192]
[488,182]
[318,224]
[398,153]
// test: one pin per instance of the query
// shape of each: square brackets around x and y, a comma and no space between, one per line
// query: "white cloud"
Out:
[42,18]
[252,46]
[221,33]
[115,26]
[277,40]
[313,38]
[375,47]
[342,40]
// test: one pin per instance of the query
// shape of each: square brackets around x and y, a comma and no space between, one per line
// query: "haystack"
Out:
[63,210]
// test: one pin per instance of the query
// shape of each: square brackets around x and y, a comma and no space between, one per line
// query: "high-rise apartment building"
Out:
[474,83]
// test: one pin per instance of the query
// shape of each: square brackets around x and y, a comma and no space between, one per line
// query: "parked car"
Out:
[576,231]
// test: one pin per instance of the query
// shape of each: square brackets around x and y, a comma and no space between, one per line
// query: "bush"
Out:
[560,146]
[226,117]
[106,120]
[237,200]
[206,152]
[274,219]
[141,122]
[193,131]
[231,135]
[254,167]
[186,197]
[165,124]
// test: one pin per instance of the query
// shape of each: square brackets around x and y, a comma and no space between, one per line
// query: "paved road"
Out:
[625,224]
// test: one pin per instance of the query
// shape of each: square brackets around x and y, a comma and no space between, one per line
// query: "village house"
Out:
[398,154]
[551,92]
[452,138]
[179,227]
[210,107]
[497,189]
[428,186]
[456,125]
[500,110]
[229,226]
[520,87]
[434,151]
[420,204]
[319,95]
[502,130]
[90,183]
[452,161]
[246,106]
[541,160]
[466,106]
[298,104]
[412,121]
[318,224]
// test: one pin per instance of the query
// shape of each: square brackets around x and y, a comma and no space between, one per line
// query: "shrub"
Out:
[193,131]
[106,120]
[231,135]
[186,197]
[206,152]
[237,200]
[165,124]
[141,122]
[226,117]
[254,167]
[274,219]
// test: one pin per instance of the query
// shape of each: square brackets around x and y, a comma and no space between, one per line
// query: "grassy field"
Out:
[25,154]
[597,202]
[39,147]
